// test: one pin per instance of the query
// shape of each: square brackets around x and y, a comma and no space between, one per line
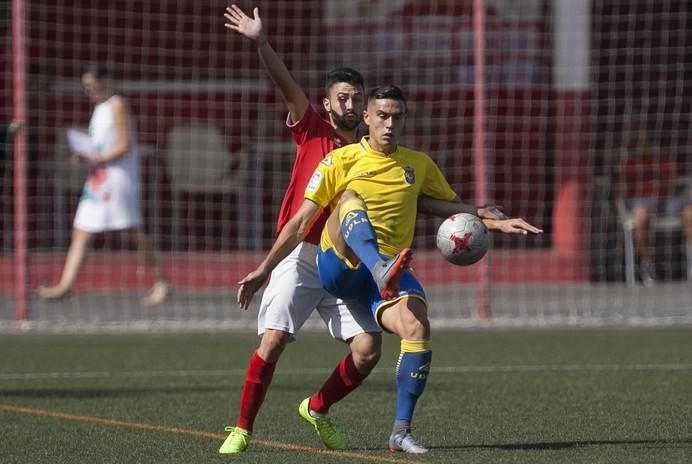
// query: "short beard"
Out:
[342,123]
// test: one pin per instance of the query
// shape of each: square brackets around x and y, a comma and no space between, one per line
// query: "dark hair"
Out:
[347,75]
[100,71]
[387,92]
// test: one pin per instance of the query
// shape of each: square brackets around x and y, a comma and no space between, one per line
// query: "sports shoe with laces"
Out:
[236,442]
[387,274]
[323,426]
[404,441]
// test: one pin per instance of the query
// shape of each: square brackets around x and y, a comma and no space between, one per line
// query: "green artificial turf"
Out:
[591,396]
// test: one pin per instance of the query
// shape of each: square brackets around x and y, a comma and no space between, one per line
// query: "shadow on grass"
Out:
[683,442]
[667,443]
[114,392]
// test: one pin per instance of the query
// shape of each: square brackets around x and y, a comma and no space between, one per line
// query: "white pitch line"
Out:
[324,371]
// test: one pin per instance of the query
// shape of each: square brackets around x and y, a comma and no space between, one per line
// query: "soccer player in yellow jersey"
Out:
[374,189]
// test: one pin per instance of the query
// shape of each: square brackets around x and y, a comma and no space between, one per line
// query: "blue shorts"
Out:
[358,285]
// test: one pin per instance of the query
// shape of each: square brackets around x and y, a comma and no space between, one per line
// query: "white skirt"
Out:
[110,201]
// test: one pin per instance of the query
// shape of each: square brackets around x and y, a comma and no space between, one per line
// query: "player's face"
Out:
[385,119]
[344,104]
[96,90]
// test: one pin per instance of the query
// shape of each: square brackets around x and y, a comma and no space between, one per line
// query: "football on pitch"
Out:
[463,239]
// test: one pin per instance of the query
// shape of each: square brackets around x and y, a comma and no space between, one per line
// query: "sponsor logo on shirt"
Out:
[365,174]
[315,182]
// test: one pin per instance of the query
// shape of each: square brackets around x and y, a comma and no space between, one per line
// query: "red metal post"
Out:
[19,129]
[480,164]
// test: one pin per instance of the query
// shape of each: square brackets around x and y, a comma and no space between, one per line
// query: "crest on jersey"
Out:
[328,160]
[409,174]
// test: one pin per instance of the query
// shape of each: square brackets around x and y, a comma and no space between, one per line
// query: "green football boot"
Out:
[323,426]
[236,441]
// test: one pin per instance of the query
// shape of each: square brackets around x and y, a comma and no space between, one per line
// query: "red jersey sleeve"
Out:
[307,127]
[314,137]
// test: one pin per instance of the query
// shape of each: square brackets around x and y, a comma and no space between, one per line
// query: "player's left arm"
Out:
[492,217]
[436,186]
[444,209]
[291,235]
[439,199]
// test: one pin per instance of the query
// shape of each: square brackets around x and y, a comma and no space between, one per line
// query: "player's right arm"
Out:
[296,100]
[290,236]
[321,189]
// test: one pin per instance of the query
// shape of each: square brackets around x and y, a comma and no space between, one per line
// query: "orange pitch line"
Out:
[196,433]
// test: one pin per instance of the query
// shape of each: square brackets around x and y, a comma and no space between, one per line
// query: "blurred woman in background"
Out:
[110,197]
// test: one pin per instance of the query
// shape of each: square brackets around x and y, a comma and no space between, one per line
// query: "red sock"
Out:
[257,379]
[343,380]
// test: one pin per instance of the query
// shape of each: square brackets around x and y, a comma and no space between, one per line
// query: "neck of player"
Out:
[350,136]
[384,148]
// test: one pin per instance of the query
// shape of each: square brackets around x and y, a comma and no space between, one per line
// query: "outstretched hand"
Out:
[242,23]
[516,226]
[249,285]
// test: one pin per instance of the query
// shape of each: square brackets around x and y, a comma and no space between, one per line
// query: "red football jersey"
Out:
[315,137]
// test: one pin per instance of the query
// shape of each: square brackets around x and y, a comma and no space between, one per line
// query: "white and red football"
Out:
[463,239]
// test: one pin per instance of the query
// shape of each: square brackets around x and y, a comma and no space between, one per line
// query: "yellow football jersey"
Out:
[389,184]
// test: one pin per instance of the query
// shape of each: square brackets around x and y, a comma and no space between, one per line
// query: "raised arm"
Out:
[291,235]
[296,100]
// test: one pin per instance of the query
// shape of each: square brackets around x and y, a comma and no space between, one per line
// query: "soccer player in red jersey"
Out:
[294,290]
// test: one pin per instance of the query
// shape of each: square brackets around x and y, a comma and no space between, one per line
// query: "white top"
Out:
[110,197]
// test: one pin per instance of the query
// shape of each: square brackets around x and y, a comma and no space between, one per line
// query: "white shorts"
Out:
[294,291]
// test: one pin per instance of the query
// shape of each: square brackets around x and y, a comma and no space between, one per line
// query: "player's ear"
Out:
[366,117]
[327,104]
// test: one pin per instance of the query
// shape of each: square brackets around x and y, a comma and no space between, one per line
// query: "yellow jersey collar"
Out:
[365,145]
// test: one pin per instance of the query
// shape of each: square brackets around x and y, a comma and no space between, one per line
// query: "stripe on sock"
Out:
[415,346]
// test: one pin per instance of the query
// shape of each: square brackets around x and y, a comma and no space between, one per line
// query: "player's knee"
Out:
[366,362]
[414,326]
[414,320]
[272,344]
[416,329]
[366,350]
